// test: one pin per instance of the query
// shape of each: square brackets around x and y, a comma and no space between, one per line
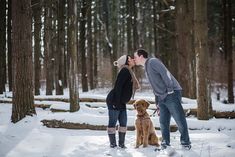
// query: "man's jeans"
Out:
[171,106]
[115,115]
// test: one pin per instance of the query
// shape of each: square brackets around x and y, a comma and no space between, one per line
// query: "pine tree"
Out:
[23,99]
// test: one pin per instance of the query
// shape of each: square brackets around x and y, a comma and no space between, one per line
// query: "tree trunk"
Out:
[2,46]
[72,49]
[129,28]
[89,45]
[37,46]
[61,47]
[186,56]
[9,48]
[66,54]
[155,28]
[47,49]
[201,49]
[135,26]
[95,44]
[23,100]
[122,28]
[82,45]
[114,37]
[227,4]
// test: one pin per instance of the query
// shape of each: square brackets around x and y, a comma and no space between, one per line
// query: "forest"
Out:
[72,44]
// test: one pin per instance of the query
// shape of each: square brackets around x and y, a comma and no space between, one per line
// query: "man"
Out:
[168,97]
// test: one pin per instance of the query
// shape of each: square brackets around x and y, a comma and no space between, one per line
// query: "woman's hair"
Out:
[127,57]
[142,52]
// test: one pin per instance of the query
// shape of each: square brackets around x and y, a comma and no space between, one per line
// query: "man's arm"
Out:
[158,66]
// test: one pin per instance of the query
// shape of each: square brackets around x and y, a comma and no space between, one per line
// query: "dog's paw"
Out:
[145,145]
[137,146]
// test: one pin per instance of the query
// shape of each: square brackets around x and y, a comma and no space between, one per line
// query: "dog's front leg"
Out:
[146,135]
[138,138]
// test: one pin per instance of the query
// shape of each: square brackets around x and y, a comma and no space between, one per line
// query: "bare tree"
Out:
[185,50]
[129,27]
[37,46]
[95,46]
[2,46]
[9,53]
[48,61]
[82,44]
[23,99]
[89,45]
[227,4]
[113,56]
[72,49]
[59,64]
[201,49]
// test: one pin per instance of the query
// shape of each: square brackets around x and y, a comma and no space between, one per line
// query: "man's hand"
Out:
[171,92]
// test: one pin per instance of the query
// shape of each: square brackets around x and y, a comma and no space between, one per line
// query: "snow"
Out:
[29,138]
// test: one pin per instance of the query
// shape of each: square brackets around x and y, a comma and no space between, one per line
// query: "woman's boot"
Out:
[112,141]
[122,134]
[112,137]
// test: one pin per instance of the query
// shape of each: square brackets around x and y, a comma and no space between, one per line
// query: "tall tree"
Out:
[185,50]
[89,45]
[72,49]
[135,25]
[227,5]
[23,99]
[201,49]
[155,28]
[129,26]
[9,48]
[48,44]
[2,46]
[95,45]
[113,56]
[82,40]
[61,48]
[37,46]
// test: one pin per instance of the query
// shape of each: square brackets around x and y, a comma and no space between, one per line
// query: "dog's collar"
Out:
[144,116]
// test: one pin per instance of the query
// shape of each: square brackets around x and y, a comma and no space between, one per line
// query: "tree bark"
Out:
[2,46]
[227,4]
[9,48]
[95,46]
[37,46]
[201,49]
[135,26]
[114,38]
[61,47]
[23,99]
[89,45]
[72,49]
[129,28]
[47,49]
[185,50]
[82,45]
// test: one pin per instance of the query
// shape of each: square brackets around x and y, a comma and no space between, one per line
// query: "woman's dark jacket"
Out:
[122,91]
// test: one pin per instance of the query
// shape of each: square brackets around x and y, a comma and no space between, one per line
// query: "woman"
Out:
[124,88]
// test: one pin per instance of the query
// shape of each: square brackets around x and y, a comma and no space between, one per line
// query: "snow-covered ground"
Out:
[29,138]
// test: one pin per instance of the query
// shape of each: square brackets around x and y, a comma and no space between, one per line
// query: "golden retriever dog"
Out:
[145,132]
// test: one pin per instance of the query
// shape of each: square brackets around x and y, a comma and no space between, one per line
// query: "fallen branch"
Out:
[68,125]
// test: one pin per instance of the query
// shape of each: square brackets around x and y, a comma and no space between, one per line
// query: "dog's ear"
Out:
[134,106]
[146,104]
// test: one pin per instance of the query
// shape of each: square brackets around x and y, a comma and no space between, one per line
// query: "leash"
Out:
[153,113]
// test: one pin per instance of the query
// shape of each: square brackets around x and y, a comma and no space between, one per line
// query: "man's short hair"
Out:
[142,52]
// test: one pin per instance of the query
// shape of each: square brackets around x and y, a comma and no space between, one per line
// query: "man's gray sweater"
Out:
[161,80]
